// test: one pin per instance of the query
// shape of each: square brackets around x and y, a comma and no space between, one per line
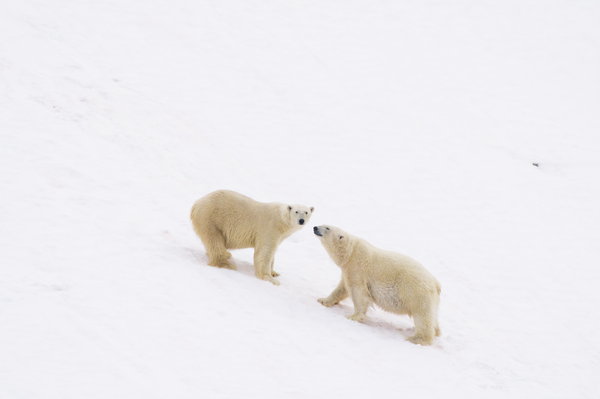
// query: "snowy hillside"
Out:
[413,124]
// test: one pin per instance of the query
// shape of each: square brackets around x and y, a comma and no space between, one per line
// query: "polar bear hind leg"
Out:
[425,329]
[214,243]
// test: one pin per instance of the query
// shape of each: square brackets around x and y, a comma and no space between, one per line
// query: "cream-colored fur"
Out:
[228,220]
[394,282]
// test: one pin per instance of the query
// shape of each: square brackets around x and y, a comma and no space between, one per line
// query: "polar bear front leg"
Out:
[273,272]
[263,259]
[361,300]
[339,294]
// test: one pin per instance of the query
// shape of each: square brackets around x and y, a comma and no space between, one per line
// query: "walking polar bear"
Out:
[394,282]
[228,220]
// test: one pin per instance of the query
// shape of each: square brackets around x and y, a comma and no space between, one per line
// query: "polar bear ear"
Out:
[312,209]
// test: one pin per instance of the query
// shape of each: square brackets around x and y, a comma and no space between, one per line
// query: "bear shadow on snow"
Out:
[245,268]
[400,324]
[374,322]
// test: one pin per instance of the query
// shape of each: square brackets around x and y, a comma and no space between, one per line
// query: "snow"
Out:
[412,124]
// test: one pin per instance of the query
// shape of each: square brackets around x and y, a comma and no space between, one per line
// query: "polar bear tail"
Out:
[194,217]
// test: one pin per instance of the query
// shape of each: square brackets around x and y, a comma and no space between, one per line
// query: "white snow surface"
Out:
[412,124]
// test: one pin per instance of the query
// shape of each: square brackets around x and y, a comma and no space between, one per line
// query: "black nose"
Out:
[317,232]
[301,221]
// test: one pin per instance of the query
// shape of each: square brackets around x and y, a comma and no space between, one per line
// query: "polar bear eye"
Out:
[327,228]
[341,237]
[296,211]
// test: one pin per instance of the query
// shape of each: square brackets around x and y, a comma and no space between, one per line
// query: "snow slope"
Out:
[413,124]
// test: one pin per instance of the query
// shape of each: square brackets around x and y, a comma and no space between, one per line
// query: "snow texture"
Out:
[413,124]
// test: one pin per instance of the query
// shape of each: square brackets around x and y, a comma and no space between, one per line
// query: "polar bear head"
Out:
[336,241]
[298,215]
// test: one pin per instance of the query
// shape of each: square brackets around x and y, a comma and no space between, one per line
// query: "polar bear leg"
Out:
[214,243]
[339,294]
[424,329]
[273,272]
[361,300]
[263,259]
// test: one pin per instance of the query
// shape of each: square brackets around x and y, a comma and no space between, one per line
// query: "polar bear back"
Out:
[240,219]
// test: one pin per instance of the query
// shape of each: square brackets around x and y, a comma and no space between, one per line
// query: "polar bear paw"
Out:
[356,317]
[270,279]
[419,340]
[325,302]
[223,264]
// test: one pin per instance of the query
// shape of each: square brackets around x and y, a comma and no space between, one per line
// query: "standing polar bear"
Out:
[228,220]
[394,282]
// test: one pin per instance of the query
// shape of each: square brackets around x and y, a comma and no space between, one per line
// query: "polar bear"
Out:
[394,282]
[228,220]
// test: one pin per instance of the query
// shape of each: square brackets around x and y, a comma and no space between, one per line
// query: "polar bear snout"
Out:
[301,221]
[321,230]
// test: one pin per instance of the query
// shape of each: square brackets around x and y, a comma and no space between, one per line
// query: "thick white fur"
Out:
[228,220]
[394,282]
